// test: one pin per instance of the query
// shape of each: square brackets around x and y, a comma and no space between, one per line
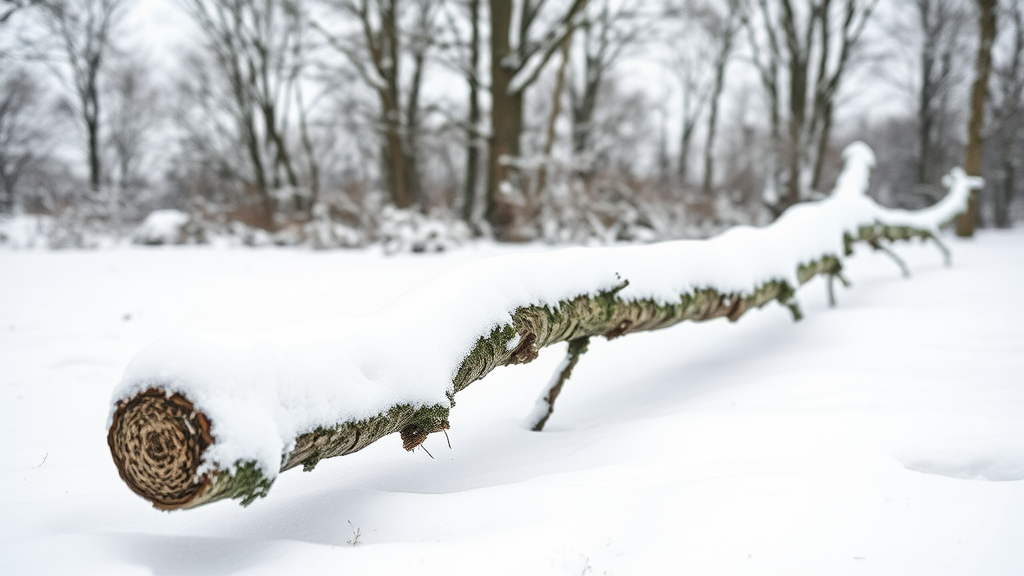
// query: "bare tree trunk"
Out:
[966,223]
[798,66]
[1005,151]
[412,132]
[85,32]
[689,124]
[473,144]
[556,111]
[385,57]
[418,45]
[378,62]
[606,32]
[309,149]
[1004,194]
[506,127]
[515,65]
[258,48]
[924,133]
[24,136]
[940,23]
[721,61]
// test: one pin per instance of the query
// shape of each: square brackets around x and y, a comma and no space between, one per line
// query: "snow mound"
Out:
[161,227]
[968,459]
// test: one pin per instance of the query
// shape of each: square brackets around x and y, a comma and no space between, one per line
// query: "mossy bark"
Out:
[533,327]
[546,403]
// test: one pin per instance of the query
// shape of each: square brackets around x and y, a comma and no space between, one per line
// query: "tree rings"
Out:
[157,442]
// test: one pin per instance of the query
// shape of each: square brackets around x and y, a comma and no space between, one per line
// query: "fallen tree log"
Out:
[198,419]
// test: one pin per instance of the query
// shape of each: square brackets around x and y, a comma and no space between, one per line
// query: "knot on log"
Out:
[415,434]
[157,442]
[526,351]
[737,307]
[621,329]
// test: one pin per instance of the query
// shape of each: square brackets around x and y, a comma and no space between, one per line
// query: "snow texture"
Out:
[260,391]
[883,436]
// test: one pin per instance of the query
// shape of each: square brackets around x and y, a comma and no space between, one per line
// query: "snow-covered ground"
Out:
[885,435]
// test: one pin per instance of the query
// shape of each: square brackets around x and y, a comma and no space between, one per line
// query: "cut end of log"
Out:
[157,442]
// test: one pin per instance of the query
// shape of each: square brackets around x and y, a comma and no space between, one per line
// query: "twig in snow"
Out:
[43,462]
[831,290]
[895,258]
[356,535]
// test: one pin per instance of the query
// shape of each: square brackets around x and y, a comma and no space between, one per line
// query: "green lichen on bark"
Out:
[413,422]
[605,314]
[245,483]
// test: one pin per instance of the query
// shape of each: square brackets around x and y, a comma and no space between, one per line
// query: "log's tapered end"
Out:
[157,442]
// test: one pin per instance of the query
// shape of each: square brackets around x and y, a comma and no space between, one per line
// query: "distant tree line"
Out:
[559,120]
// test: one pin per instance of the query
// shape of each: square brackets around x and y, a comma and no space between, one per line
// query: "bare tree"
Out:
[721,22]
[390,34]
[690,61]
[966,222]
[552,122]
[802,52]
[132,117]
[24,133]
[10,7]
[211,163]
[84,31]
[460,48]
[1005,150]
[519,53]
[606,32]
[257,48]
[942,26]
[701,38]
[473,144]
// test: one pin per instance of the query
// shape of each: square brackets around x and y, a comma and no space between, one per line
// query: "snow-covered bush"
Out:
[411,231]
[162,227]
[25,231]
[323,232]
[70,229]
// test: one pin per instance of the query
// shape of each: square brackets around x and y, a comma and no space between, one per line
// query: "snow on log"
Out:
[202,418]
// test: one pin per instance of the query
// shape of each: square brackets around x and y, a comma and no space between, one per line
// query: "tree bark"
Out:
[966,223]
[506,207]
[473,145]
[503,213]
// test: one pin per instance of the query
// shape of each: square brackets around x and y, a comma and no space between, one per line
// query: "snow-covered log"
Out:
[201,418]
